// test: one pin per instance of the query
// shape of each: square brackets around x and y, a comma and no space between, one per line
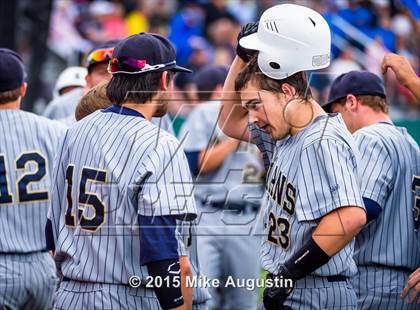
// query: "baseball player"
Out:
[70,79]
[96,99]
[387,250]
[119,187]
[313,207]
[28,145]
[64,108]
[228,188]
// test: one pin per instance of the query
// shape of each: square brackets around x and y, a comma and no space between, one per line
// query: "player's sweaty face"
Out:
[265,109]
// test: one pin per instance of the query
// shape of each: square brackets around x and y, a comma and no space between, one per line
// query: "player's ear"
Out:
[22,89]
[288,90]
[352,103]
[164,84]
[88,79]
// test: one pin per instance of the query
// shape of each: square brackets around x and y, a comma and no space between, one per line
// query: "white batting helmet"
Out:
[72,76]
[290,38]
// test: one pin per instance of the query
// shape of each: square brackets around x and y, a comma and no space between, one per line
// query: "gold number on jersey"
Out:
[85,200]
[27,178]
[282,226]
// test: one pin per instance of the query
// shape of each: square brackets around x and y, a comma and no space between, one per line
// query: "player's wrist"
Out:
[305,261]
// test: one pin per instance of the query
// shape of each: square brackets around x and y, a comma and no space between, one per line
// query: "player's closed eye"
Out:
[252,104]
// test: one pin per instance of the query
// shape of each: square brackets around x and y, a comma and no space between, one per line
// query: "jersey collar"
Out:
[115,108]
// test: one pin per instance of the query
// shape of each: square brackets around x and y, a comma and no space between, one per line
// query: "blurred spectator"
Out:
[243,10]
[106,23]
[184,25]
[343,64]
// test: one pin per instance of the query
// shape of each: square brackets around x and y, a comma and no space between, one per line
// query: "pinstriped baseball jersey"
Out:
[312,173]
[263,141]
[28,145]
[112,168]
[240,174]
[390,161]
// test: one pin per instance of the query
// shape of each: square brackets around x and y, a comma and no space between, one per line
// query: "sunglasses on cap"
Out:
[100,55]
[135,66]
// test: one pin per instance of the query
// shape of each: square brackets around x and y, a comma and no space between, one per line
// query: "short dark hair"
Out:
[138,88]
[252,72]
[376,103]
[9,95]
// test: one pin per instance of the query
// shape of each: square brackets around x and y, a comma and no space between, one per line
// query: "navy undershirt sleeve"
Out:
[157,238]
[49,236]
[192,158]
[373,209]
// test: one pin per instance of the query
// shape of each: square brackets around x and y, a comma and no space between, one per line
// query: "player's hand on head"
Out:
[412,288]
[244,53]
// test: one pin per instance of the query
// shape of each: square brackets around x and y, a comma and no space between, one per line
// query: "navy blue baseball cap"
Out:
[209,77]
[144,52]
[12,70]
[355,83]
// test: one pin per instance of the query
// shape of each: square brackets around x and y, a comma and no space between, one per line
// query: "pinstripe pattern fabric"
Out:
[27,281]
[264,143]
[388,248]
[379,288]
[22,222]
[314,293]
[312,174]
[146,173]
[75,295]
[390,159]
[188,233]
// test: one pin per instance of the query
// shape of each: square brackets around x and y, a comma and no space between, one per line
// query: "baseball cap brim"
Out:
[181,69]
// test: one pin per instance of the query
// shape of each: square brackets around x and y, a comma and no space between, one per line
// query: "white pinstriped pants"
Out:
[78,295]
[379,288]
[314,293]
[27,281]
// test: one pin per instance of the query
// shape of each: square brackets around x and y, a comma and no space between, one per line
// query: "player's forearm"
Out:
[414,86]
[338,228]
[233,119]
[186,272]
[212,158]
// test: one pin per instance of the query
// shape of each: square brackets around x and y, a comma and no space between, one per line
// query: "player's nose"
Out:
[253,118]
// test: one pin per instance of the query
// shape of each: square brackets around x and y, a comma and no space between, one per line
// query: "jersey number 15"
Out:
[85,199]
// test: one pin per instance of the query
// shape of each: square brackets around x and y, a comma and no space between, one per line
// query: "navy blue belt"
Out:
[335,278]
[234,206]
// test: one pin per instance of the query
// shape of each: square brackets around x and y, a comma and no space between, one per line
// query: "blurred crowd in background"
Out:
[204,32]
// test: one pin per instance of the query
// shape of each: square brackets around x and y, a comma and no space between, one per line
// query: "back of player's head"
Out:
[290,39]
[12,75]
[95,99]
[136,66]
[253,74]
[207,79]
[366,86]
